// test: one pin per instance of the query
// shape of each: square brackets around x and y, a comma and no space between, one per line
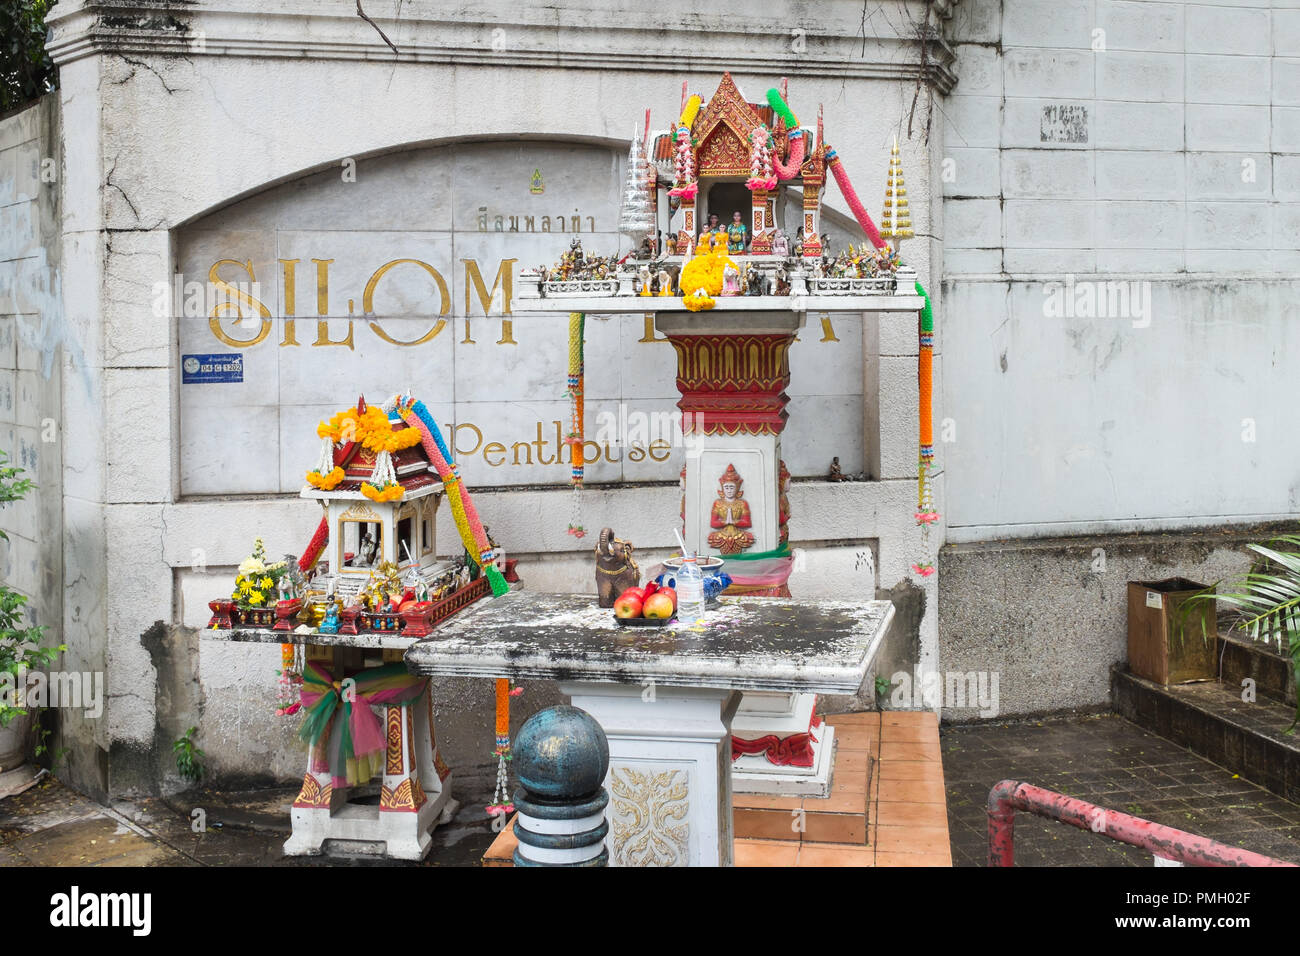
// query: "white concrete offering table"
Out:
[664,696]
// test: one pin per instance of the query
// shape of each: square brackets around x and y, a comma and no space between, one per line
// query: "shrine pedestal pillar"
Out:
[668,782]
[414,795]
[732,372]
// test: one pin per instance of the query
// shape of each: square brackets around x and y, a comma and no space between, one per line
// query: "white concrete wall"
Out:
[30,310]
[1139,141]
[170,113]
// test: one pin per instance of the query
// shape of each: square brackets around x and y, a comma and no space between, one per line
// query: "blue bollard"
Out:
[561,757]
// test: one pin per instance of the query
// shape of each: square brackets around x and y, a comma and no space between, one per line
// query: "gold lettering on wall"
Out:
[503,280]
[234,297]
[236,301]
[323,308]
[368,301]
[289,268]
[455,440]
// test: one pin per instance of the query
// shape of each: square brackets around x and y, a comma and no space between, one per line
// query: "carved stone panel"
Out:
[649,811]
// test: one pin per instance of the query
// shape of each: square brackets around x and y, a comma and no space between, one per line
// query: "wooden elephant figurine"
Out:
[616,571]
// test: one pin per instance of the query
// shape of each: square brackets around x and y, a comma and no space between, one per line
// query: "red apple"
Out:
[628,604]
[670,593]
[658,605]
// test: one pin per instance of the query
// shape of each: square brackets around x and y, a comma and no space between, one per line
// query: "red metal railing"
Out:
[1011,795]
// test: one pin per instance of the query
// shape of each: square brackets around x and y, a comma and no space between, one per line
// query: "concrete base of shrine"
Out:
[357,829]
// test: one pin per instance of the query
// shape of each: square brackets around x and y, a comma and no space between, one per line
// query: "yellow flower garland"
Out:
[701,278]
[325,482]
[698,302]
[372,429]
[389,493]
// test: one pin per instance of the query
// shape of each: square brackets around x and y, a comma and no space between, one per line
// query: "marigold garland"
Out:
[327,482]
[392,492]
[702,277]
[698,302]
[501,802]
[371,428]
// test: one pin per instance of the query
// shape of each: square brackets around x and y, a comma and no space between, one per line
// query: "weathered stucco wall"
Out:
[1049,615]
[1120,269]
[174,110]
[1121,255]
[31,361]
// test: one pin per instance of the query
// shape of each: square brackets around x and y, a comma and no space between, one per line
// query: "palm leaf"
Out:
[1266,600]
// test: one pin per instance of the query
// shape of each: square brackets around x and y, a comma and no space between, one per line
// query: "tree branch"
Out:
[364,16]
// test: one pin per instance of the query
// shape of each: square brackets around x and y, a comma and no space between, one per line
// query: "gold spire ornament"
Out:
[896,219]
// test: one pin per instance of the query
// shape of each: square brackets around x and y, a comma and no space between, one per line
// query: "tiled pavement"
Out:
[886,806]
[898,756]
[1116,764]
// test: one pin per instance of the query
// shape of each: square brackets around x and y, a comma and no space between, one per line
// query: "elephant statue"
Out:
[616,571]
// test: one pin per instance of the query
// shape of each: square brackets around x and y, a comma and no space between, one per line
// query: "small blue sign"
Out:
[205,369]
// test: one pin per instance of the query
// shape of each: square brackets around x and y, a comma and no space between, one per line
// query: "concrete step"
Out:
[1271,670]
[1211,719]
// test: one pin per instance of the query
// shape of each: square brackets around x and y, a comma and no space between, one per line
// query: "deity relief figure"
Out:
[730,515]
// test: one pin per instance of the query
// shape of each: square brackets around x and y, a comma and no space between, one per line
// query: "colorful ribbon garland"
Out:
[356,752]
[475,540]
[311,554]
[798,139]
[925,513]
[575,438]
[851,197]
[463,512]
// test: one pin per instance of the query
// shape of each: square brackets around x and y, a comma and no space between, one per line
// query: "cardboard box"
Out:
[1166,645]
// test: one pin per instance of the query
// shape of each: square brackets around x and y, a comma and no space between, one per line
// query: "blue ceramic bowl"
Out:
[714,583]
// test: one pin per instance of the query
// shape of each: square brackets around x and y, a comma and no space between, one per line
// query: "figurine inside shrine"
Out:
[737,233]
[730,516]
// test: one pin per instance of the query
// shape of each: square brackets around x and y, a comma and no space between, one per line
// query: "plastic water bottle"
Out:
[690,592]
